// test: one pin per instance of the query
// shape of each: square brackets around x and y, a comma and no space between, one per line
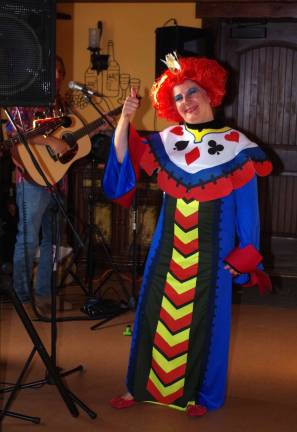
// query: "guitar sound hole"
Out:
[73,148]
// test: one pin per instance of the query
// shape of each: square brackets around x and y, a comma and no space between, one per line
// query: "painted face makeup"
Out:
[192,103]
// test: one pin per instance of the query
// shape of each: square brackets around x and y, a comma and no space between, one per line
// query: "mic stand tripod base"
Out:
[55,378]
[5,412]
[35,420]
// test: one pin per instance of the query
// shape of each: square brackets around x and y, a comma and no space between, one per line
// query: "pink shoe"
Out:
[196,410]
[122,403]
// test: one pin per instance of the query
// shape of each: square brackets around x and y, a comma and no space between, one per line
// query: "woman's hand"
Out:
[121,133]
[131,104]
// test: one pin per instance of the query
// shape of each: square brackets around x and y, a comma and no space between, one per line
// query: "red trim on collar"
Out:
[219,188]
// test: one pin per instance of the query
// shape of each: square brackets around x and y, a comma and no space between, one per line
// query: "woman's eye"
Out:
[192,91]
[178,98]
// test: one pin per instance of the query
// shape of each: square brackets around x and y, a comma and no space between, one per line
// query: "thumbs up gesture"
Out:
[131,104]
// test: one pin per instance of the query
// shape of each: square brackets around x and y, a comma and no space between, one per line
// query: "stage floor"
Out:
[262,390]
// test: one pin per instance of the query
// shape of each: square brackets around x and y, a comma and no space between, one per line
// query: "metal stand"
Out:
[132,298]
[134,249]
[93,230]
[53,376]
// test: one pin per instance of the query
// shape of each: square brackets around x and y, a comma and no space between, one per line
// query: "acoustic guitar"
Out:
[69,128]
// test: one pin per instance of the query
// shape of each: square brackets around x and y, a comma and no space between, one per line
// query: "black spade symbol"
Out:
[180,145]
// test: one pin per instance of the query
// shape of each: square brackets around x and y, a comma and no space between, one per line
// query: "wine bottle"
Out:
[112,73]
[91,78]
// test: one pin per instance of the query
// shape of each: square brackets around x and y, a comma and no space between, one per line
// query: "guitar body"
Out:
[69,128]
[53,166]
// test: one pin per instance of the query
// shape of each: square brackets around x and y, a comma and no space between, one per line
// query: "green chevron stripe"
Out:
[169,365]
[181,287]
[174,312]
[172,339]
[186,237]
[187,209]
[168,390]
[185,262]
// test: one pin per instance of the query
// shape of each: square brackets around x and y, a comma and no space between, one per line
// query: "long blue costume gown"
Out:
[180,343]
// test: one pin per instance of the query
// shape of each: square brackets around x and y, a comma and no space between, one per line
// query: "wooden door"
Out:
[262,102]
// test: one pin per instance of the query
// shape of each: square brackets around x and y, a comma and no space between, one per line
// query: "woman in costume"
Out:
[207,233]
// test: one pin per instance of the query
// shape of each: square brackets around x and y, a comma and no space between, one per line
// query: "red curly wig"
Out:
[207,73]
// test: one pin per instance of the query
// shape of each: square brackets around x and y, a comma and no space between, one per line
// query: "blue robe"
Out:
[180,343]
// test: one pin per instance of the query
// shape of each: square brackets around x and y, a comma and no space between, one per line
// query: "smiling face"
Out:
[192,103]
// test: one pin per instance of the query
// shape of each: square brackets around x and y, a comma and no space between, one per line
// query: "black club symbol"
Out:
[214,147]
[180,145]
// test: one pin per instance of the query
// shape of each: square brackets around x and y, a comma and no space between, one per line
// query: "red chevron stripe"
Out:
[183,274]
[170,351]
[186,221]
[185,248]
[163,399]
[179,299]
[169,377]
[175,325]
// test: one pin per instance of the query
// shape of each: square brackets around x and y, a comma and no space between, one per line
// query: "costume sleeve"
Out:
[245,258]
[119,179]
[247,214]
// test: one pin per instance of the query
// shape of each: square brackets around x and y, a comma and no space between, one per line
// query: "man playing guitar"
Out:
[35,206]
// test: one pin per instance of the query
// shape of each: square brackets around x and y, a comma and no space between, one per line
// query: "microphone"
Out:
[81,87]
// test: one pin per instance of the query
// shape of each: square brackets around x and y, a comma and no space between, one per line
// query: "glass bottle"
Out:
[91,78]
[112,73]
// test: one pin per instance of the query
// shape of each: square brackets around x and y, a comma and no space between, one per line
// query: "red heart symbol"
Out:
[232,136]
[177,130]
[192,156]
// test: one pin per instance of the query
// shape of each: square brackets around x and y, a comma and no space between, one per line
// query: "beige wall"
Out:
[131,26]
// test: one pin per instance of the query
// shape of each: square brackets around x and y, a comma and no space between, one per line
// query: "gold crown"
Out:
[171,61]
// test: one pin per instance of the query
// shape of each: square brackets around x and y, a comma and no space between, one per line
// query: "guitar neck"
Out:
[40,130]
[87,129]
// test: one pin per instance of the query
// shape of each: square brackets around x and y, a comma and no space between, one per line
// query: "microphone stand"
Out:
[131,300]
[134,251]
[39,347]
[50,362]
[112,263]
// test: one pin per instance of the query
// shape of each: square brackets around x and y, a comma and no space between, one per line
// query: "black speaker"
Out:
[27,52]
[186,41]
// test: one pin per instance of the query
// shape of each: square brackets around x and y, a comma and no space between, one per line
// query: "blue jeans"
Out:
[35,205]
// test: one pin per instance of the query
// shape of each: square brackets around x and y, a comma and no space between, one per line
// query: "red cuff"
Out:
[245,260]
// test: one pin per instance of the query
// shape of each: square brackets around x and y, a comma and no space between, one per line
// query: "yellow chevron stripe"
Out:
[181,287]
[169,365]
[186,237]
[168,390]
[187,209]
[185,262]
[171,339]
[176,313]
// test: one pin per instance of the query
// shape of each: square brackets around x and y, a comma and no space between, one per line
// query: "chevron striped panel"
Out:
[179,299]
[171,342]
[169,351]
[186,248]
[181,287]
